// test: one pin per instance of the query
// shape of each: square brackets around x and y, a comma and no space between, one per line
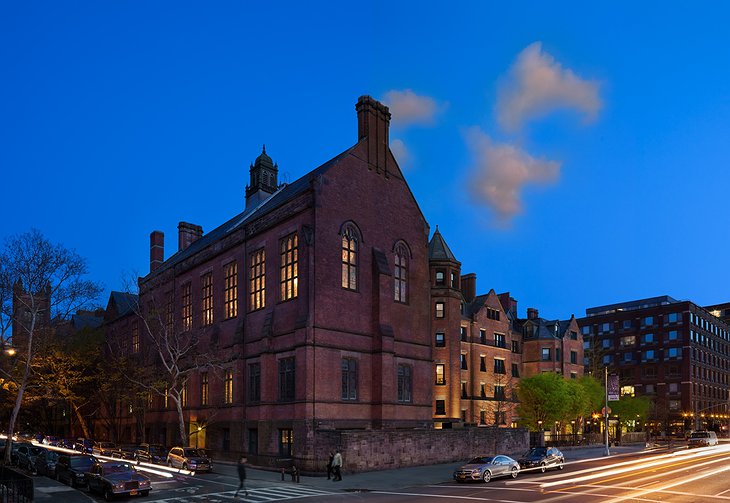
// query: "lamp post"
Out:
[605,408]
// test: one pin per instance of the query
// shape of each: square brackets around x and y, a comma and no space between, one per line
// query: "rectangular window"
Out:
[405,384]
[606,343]
[286,379]
[289,269]
[349,379]
[673,353]
[454,281]
[187,307]
[257,287]
[647,321]
[546,355]
[499,367]
[586,330]
[439,310]
[226,441]
[228,387]
[673,317]
[230,290]
[464,392]
[440,407]
[573,335]
[166,399]
[440,340]
[463,362]
[573,357]
[574,375]
[206,287]
[499,392]
[253,441]
[673,387]
[204,388]
[515,370]
[604,327]
[184,394]
[254,382]
[349,259]
[557,355]
[286,439]
[629,340]
[440,278]
[482,417]
[482,363]
[515,346]
[647,355]
[482,336]
[499,341]
[647,338]
[628,356]
[440,376]
[135,337]
[169,313]
[400,275]
[462,334]
[626,324]
[492,314]
[673,335]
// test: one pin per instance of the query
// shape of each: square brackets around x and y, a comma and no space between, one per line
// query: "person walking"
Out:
[329,465]
[337,466]
[242,476]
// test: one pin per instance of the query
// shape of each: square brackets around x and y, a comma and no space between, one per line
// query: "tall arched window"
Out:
[350,248]
[400,274]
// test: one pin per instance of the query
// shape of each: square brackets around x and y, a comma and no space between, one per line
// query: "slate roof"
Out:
[285,193]
[438,249]
[80,321]
[124,302]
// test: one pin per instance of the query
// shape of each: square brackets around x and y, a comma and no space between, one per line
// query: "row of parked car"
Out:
[486,468]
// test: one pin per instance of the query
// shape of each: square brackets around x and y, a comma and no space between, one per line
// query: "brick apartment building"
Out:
[315,296]
[674,352]
[482,348]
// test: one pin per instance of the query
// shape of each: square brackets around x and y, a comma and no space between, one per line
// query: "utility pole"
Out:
[605,408]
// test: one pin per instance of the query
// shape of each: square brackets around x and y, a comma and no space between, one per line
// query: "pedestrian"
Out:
[242,476]
[329,465]
[337,466]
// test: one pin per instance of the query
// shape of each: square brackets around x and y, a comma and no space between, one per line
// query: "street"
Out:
[682,475]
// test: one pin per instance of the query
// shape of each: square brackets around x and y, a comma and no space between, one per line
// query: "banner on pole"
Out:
[613,388]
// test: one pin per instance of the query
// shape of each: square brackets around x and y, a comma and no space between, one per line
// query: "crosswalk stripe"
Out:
[257,495]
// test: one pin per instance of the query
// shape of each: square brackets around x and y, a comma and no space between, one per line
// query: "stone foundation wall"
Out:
[382,449]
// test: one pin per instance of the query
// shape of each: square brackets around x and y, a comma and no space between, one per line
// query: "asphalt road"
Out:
[682,475]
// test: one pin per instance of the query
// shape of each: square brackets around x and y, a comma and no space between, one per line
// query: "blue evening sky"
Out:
[608,183]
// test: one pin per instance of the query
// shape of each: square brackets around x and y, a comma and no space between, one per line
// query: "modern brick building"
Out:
[312,302]
[674,352]
[482,348]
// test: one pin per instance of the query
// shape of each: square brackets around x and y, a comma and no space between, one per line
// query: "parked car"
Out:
[26,454]
[542,458]
[103,448]
[189,458]
[66,443]
[84,445]
[50,440]
[486,468]
[15,445]
[125,451]
[702,438]
[71,468]
[117,478]
[151,453]
[45,463]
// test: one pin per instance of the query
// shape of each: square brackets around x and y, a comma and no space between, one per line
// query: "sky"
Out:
[573,155]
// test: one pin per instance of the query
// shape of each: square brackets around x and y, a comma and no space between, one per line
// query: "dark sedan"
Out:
[151,453]
[45,463]
[486,468]
[71,469]
[103,448]
[125,452]
[542,458]
[27,454]
[117,478]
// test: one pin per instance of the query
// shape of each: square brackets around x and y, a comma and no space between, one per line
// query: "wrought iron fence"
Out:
[15,487]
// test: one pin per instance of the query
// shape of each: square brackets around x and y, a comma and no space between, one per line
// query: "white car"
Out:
[189,458]
[702,438]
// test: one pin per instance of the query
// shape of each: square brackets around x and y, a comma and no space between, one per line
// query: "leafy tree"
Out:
[39,281]
[631,409]
[543,397]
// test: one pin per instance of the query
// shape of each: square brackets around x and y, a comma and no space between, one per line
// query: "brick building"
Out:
[674,352]
[312,302]
[482,348]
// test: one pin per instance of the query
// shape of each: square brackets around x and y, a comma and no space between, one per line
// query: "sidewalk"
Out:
[388,480]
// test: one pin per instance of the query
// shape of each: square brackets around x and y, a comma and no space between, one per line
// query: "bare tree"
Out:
[39,281]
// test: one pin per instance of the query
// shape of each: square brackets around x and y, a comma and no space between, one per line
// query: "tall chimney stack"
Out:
[373,122]
[187,234]
[157,249]
[532,313]
[469,286]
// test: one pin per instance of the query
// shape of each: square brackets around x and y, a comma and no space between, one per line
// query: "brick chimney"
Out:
[469,286]
[508,303]
[157,249]
[532,313]
[187,234]
[373,122]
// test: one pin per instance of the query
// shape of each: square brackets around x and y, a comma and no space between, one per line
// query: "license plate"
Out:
[133,492]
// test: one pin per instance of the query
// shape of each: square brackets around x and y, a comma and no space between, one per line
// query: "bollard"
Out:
[282,475]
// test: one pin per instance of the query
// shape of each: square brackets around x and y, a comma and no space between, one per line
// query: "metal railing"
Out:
[15,487]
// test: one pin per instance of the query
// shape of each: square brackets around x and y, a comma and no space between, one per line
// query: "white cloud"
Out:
[407,108]
[537,84]
[401,153]
[500,171]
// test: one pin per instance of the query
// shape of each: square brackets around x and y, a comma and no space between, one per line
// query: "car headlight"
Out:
[144,483]
[119,485]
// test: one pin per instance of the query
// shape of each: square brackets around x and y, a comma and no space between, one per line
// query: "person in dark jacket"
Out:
[242,476]
[329,465]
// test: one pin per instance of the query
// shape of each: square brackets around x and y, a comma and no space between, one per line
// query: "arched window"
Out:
[400,274]
[350,248]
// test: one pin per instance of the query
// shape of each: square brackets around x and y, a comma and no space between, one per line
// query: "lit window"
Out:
[207,298]
[349,258]
[440,277]
[187,307]
[204,388]
[184,395]
[135,337]
[546,354]
[440,376]
[257,287]
[439,310]
[230,291]
[228,387]
[289,270]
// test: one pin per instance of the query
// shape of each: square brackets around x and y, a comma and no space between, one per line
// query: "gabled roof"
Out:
[80,321]
[438,249]
[545,329]
[124,303]
[285,193]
